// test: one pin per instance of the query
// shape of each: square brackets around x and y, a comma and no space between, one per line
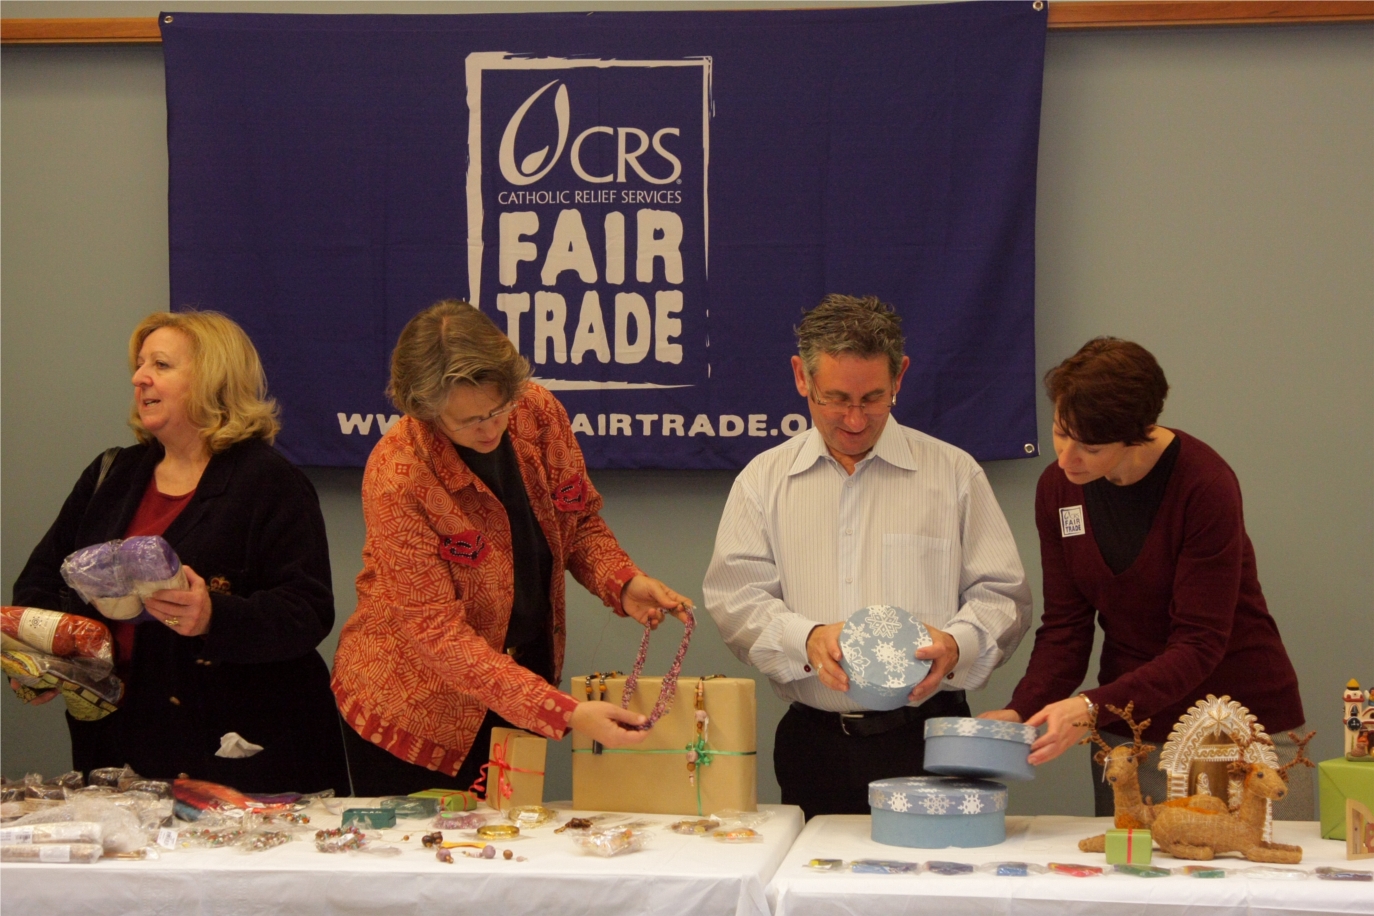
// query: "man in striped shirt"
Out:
[860,511]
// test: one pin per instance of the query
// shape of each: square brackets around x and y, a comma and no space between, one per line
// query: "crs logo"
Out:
[539,163]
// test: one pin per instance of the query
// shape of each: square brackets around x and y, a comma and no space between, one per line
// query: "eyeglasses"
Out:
[873,406]
[469,424]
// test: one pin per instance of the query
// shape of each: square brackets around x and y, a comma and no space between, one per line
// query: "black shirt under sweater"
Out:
[531,612]
[1121,516]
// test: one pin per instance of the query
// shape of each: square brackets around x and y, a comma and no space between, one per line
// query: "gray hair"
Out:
[448,344]
[865,327]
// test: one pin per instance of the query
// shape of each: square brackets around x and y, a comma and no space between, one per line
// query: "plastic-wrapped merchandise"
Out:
[211,837]
[63,853]
[936,867]
[613,841]
[56,633]
[121,828]
[34,787]
[60,832]
[835,865]
[737,835]
[112,776]
[1074,870]
[95,572]
[346,839]
[883,867]
[91,689]
[1141,871]
[1330,873]
[116,575]
[729,817]
[456,821]
[150,564]
[262,840]
[1274,872]
[700,826]
[1200,871]
[1011,869]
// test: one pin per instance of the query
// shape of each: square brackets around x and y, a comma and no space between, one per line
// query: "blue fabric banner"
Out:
[644,202]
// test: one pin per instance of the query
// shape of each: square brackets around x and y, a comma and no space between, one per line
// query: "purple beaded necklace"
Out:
[669,686]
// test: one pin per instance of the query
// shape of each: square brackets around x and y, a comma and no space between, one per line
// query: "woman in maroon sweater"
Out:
[1141,527]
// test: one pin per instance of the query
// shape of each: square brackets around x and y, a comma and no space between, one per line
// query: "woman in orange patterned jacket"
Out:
[475,502]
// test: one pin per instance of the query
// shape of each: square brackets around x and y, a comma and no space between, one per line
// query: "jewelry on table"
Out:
[498,831]
[529,816]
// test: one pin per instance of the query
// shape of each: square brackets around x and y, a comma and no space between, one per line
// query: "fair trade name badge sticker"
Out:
[1071,521]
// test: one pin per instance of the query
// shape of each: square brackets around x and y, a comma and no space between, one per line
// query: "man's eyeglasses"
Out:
[469,424]
[873,406]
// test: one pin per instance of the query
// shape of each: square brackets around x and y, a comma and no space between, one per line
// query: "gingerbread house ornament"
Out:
[1359,722]
[1210,736]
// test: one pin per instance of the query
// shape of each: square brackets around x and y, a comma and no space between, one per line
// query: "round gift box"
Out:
[879,645]
[933,812]
[979,748]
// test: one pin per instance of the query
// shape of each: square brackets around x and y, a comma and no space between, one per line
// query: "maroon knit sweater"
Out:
[1185,620]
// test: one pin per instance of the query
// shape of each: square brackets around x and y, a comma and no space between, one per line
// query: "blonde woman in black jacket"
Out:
[236,650]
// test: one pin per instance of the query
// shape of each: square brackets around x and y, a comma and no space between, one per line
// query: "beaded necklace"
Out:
[669,687]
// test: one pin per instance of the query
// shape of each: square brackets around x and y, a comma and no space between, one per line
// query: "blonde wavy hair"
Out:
[228,401]
[448,344]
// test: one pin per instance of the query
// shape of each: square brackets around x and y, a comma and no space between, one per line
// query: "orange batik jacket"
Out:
[420,661]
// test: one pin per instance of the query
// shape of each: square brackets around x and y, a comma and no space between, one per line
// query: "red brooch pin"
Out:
[467,547]
[571,494]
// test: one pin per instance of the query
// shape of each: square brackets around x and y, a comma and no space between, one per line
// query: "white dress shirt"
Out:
[916,525]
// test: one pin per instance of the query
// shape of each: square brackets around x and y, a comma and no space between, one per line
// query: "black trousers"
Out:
[378,772]
[827,771]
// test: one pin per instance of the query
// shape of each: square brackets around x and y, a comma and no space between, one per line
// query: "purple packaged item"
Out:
[95,572]
[148,559]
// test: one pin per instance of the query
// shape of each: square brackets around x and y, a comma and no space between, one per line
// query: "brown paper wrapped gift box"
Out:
[515,763]
[652,777]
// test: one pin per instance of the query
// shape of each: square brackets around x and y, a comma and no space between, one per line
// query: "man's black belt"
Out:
[868,723]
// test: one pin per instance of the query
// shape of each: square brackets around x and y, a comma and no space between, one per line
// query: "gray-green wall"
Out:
[1207,192]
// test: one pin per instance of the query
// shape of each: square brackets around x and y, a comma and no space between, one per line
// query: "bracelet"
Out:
[1092,707]
[498,831]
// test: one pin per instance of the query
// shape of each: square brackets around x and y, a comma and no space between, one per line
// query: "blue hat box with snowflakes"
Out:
[878,646]
[932,812]
[979,748]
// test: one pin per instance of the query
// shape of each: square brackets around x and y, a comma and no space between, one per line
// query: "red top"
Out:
[1185,620]
[155,513]
[419,663]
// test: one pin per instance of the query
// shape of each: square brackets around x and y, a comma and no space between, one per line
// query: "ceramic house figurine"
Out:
[1359,722]
[1212,735]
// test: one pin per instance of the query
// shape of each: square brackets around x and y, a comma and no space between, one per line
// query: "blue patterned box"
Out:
[979,748]
[932,812]
[878,645]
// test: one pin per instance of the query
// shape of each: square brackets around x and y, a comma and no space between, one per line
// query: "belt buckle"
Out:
[844,726]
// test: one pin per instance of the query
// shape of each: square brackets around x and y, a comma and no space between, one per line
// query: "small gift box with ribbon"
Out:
[1129,847]
[450,799]
[514,771]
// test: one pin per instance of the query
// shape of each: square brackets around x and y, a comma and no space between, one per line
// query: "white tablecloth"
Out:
[798,891]
[675,875]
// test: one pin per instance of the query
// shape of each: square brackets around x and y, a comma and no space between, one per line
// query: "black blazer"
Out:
[254,532]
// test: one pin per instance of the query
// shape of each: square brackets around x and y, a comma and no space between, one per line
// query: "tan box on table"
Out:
[652,777]
[523,774]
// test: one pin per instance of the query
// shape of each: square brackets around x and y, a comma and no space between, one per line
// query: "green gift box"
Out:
[450,799]
[1129,847]
[1338,780]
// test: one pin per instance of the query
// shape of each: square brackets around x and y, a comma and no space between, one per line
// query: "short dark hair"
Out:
[865,327]
[1111,390]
